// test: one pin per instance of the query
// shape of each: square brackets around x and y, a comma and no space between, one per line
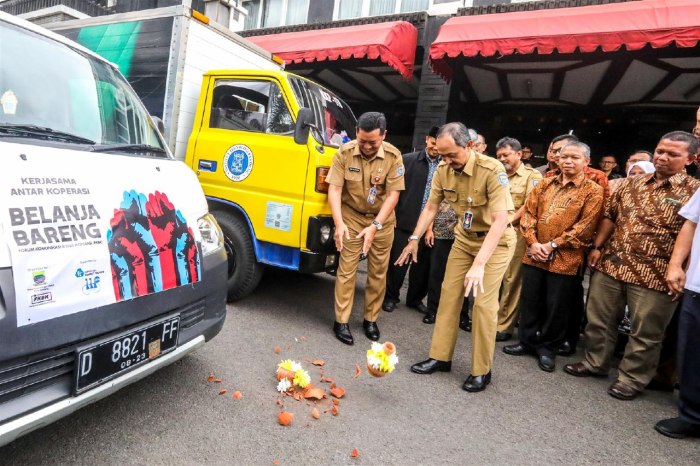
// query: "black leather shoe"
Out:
[389,306]
[342,333]
[503,336]
[517,349]
[431,365]
[420,307]
[677,428]
[546,363]
[371,330]
[477,383]
[566,350]
[465,323]
[429,318]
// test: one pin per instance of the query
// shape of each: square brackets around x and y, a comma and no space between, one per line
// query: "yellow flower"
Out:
[301,378]
[377,358]
[287,364]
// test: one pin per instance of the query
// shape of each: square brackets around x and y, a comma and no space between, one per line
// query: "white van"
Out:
[110,264]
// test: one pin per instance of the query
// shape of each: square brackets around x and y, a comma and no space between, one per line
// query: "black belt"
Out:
[480,234]
[364,214]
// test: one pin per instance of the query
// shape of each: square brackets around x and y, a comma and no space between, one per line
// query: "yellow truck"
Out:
[261,144]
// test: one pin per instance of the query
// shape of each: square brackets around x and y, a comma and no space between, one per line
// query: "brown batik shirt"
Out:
[566,213]
[590,173]
[645,213]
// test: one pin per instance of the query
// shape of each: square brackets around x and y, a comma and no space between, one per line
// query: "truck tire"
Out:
[244,271]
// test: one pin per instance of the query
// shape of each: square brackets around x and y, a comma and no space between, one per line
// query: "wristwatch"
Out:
[377,224]
[413,238]
[553,244]
[597,248]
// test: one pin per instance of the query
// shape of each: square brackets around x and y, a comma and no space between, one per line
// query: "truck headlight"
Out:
[325,233]
[212,237]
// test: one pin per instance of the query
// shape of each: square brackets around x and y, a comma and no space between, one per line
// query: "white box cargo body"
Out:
[163,53]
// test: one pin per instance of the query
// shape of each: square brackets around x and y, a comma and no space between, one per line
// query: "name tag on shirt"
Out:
[467,223]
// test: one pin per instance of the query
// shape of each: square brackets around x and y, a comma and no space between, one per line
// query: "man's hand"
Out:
[429,238]
[594,257]
[473,280]
[368,234]
[675,279]
[540,252]
[409,253]
[341,232]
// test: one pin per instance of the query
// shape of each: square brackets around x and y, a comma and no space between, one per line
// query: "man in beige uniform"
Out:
[476,186]
[365,181]
[522,179]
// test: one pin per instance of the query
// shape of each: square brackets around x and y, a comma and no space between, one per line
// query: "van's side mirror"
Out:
[160,126]
[305,124]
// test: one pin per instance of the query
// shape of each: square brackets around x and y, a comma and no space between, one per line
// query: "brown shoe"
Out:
[580,370]
[622,391]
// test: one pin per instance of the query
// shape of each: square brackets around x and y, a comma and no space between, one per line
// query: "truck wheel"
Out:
[244,272]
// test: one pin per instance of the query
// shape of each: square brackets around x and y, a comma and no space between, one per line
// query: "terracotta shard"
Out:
[278,350]
[318,362]
[211,377]
[327,380]
[315,414]
[315,393]
[335,410]
[285,418]
[354,453]
[336,401]
[337,392]
[217,380]
[358,371]
[222,391]
[237,395]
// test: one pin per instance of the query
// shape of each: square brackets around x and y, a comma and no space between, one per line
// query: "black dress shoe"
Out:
[429,318]
[517,349]
[465,323]
[503,336]
[476,383]
[546,363]
[420,307]
[431,365]
[566,349]
[389,306]
[371,330]
[677,428]
[342,333]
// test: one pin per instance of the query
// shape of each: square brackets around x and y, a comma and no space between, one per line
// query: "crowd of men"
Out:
[517,241]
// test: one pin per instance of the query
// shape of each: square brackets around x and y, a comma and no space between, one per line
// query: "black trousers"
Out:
[689,358]
[417,279]
[545,308]
[438,262]
[577,312]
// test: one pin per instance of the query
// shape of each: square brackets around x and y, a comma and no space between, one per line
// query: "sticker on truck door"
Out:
[238,162]
[86,231]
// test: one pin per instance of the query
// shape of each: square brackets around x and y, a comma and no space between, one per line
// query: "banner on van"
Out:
[82,236]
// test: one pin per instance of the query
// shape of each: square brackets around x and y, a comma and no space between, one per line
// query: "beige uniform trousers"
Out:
[485,310]
[377,265]
[650,313]
[512,284]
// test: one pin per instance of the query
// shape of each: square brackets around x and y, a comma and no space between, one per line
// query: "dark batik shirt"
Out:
[645,213]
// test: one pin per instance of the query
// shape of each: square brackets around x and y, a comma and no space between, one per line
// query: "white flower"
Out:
[296,366]
[393,359]
[377,347]
[373,361]
[284,385]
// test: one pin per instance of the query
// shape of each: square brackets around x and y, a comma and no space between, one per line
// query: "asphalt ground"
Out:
[526,416]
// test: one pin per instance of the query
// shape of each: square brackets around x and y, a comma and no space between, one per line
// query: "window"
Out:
[253,18]
[255,106]
[408,6]
[382,7]
[347,9]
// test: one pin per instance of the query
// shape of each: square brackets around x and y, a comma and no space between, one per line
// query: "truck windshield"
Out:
[332,116]
[49,91]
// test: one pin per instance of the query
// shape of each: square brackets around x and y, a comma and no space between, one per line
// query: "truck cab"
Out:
[261,145]
[111,266]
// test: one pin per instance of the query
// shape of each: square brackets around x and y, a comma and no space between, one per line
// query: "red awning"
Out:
[393,43]
[633,25]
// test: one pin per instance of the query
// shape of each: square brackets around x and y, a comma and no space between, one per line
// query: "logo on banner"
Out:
[238,162]
[39,277]
[79,273]
[92,285]
[41,298]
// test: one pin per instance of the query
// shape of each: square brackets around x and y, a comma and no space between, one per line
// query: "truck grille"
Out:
[22,376]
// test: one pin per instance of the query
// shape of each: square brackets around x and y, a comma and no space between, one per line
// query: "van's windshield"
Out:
[51,92]
[332,116]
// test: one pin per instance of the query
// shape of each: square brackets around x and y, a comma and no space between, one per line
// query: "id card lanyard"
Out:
[468,215]
[372,196]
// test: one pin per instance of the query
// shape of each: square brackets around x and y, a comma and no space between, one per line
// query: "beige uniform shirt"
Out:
[357,176]
[481,188]
[521,183]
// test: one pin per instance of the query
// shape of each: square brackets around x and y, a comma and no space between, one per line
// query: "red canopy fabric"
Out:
[393,43]
[610,27]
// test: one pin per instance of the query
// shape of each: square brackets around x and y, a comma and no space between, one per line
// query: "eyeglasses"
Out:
[555,151]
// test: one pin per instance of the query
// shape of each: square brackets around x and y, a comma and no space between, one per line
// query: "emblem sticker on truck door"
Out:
[238,162]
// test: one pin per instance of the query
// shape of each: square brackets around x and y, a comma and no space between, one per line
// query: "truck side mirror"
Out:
[304,125]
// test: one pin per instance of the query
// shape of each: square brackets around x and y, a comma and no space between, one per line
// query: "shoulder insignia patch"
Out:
[535,181]
[503,179]
[399,170]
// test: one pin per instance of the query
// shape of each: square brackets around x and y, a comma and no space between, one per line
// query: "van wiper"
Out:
[128,148]
[40,132]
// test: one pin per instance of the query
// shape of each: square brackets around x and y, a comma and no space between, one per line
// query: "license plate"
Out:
[105,360]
